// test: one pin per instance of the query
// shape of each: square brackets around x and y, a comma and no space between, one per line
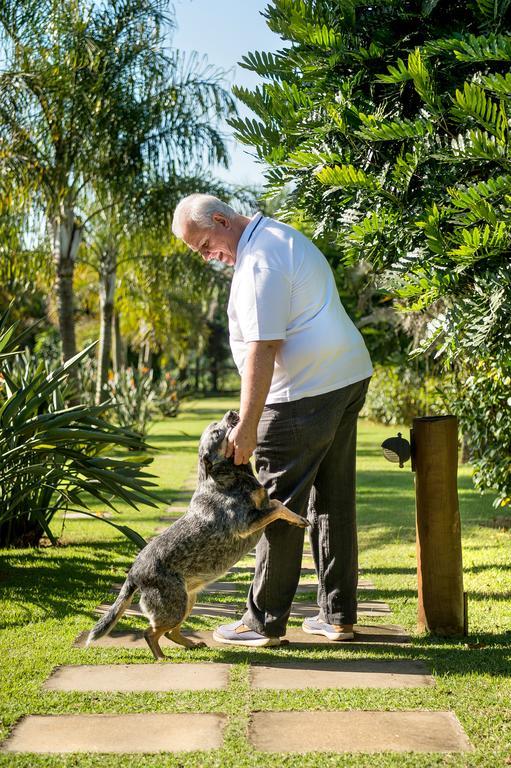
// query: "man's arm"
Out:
[255,384]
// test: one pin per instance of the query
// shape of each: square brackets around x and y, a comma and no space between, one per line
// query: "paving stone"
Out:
[177,509]
[364,608]
[313,586]
[83,516]
[117,733]
[240,589]
[357,731]
[139,677]
[207,610]
[377,634]
[357,673]
[234,610]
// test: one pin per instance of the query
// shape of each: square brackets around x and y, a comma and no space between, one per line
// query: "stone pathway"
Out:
[268,731]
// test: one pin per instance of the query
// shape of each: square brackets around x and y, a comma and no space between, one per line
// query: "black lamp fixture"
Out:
[396,449]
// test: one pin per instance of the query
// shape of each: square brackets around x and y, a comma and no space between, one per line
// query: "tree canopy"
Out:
[388,122]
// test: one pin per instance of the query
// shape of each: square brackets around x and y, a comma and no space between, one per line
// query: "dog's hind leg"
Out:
[165,603]
[276,511]
[175,633]
[152,637]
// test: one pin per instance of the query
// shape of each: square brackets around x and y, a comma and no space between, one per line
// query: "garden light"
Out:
[396,449]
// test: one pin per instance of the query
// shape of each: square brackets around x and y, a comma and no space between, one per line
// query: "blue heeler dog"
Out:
[227,514]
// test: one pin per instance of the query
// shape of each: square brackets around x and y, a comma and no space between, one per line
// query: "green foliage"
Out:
[399,149]
[132,393]
[399,393]
[167,395]
[52,457]
[483,406]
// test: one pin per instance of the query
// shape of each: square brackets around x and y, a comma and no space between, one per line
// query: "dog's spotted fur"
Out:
[227,514]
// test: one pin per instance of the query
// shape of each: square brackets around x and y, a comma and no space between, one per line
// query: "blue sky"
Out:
[225,30]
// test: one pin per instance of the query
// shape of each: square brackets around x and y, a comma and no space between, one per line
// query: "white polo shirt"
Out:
[283,288]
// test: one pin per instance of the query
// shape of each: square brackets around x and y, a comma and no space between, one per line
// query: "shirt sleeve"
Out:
[264,302]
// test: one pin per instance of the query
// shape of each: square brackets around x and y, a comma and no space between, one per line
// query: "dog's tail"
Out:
[110,619]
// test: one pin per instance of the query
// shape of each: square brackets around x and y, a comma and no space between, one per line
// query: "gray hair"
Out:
[199,208]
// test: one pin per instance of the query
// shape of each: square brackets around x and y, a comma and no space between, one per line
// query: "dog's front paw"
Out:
[198,644]
[302,522]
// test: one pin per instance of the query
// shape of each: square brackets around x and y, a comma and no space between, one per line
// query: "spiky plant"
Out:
[54,458]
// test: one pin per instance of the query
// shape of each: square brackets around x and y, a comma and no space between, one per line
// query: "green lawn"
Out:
[48,597]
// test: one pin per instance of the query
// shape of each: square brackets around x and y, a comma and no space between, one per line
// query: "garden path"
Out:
[313,730]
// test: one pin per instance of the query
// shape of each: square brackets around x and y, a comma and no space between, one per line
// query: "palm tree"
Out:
[89,100]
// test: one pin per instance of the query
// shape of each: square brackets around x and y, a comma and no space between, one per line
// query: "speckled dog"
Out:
[227,514]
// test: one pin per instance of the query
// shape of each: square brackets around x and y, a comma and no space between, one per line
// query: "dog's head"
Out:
[213,443]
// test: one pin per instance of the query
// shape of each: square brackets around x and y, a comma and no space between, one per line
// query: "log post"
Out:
[439,559]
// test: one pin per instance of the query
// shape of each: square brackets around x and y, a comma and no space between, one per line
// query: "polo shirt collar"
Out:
[247,233]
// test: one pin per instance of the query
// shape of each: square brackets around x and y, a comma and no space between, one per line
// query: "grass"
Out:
[47,597]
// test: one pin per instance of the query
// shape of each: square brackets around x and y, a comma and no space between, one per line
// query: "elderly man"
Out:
[304,375]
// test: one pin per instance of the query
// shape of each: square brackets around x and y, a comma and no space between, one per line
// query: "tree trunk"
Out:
[66,236]
[117,348]
[107,281]
[21,532]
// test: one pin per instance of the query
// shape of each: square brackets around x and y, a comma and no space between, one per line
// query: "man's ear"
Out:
[219,218]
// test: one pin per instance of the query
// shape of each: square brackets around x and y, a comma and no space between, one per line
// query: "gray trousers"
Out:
[305,457]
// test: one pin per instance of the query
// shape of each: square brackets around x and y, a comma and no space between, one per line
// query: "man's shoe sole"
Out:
[264,642]
[329,635]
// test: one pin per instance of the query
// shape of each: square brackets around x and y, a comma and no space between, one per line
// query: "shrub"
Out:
[52,457]
[133,392]
[484,410]
[168,398]
[398,393]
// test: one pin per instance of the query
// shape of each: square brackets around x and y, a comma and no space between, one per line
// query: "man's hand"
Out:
[255,384]
[241,443]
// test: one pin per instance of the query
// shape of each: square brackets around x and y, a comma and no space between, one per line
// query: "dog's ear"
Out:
[204,466]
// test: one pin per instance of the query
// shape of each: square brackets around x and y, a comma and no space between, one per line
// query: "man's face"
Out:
[216,242]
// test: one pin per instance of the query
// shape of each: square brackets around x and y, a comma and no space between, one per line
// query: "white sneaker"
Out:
[314,626]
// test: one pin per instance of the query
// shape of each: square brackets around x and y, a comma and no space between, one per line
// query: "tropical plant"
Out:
[89,103]
[483,405]
[389,123]
[132,393]
[168,396]
[52,458]
[400,393]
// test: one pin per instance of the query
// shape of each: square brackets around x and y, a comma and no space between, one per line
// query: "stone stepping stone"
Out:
[240,589]
[305,571]
[376,634]
[341,674]
[365,608]
[83,516]
[357,731]
[313,586]
[139,677]
[117,733]
[234,610]
[233,587]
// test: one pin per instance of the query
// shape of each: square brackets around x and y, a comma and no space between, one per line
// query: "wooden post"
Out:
[439,560]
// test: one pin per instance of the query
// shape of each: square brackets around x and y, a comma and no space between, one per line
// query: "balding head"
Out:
[209,226]
[199,209]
